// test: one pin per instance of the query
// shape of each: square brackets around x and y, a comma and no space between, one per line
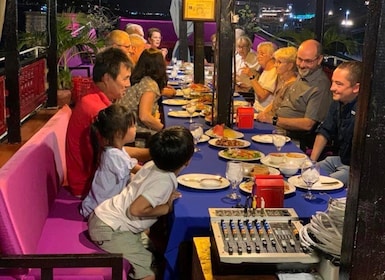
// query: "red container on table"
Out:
[245,117]
[271,189]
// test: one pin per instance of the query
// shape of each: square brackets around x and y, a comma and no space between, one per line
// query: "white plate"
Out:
[244,144]
[181,114]
[266,161]
[178,102]
[265,138]
[204,138]
[318,186]
[236,134]
[224,155]
[289,188]
[184,180]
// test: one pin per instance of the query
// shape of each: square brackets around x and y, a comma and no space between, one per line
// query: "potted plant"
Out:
[75,37]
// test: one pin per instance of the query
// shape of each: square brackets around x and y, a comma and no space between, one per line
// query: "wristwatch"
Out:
[252,77]
[275,120]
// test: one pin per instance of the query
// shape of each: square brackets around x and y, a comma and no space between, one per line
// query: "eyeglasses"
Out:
[279,62]
[241,47]
[307,61]
[128,47]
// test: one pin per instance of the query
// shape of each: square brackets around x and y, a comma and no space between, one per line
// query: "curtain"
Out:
[2,13]
[175,10]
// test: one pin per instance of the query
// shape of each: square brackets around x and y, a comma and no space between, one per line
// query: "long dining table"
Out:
[190,217]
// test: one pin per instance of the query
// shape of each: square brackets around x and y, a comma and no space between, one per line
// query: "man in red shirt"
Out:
[111,76]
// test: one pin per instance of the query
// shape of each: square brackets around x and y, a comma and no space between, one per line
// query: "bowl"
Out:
[288,168]
[296,158]
[276,158]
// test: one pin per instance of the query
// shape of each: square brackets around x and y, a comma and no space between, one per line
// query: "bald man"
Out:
[120,39]
[138,45]
[308,61]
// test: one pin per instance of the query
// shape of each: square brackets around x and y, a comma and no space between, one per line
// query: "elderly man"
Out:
[339,123]
[245,57]
[133,28]
[308,61]
[120,39]
[138,45]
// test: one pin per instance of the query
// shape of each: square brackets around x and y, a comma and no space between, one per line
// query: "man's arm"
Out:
[319,144]
[304,124]
[141,154]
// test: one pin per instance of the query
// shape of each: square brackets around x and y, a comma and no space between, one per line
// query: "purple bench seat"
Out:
[38,215]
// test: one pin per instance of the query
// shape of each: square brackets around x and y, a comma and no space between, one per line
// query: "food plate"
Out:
[181,114]
[266,161]
[227,132]
[265,138]
[193,181]
[177,102]
[204,138]
[241,154]
[324,183]
[247,185]
[229,143]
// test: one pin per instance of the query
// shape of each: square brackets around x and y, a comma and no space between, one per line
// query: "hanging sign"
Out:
[199,10]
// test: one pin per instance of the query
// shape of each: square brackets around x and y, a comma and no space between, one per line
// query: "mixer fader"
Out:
[267,236]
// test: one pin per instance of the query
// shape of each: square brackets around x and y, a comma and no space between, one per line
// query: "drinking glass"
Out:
[196,130]
[310,174]
[234,173]
[279,138]
[190,108]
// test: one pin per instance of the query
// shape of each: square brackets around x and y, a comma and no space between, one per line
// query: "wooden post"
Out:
[320,20]
[363,246]
[199,53]
[223,60]
[12,69]
[52,54]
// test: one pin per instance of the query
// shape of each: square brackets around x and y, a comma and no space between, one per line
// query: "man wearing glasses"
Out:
[309,59]
[120,39]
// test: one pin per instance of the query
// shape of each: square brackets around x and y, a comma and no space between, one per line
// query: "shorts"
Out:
[125,242]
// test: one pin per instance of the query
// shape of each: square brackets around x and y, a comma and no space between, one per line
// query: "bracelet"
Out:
[252,77]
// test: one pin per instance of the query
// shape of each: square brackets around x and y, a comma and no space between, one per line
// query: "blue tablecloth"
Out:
[191,218]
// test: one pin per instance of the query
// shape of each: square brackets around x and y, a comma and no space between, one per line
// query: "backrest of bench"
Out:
[29,182]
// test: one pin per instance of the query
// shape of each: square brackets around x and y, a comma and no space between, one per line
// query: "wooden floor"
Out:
[28,129]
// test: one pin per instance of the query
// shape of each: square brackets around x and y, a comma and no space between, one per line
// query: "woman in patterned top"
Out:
[148,79]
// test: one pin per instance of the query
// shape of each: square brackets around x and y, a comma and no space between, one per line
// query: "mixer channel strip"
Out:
[241,238]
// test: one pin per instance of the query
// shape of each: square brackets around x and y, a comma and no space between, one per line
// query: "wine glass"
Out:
[234,173]
[196,130]
[310,173]
[190,108]
[279,138]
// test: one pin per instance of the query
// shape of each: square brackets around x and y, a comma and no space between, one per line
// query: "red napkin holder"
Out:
[271,189]
[245,116]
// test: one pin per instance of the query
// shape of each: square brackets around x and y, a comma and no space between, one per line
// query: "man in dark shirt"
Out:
[339,123]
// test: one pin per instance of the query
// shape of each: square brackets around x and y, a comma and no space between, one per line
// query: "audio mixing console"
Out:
[255,239]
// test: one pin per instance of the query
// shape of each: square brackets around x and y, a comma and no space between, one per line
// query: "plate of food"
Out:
[252,169]
[200,88]
[324,183]
[220,130]
[203,181]
[175,102]
[247,186]
[266,138]
[229,143]
[240,154]
[182,114]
